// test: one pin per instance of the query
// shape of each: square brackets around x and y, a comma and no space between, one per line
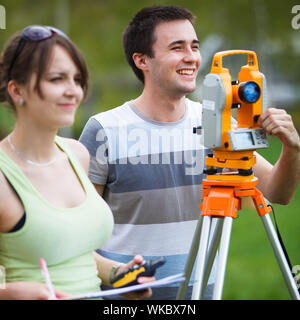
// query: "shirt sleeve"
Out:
[95,140]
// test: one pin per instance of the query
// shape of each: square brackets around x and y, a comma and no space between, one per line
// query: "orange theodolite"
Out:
[233,144]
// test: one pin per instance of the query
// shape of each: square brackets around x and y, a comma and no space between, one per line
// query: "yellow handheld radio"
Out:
[130,276]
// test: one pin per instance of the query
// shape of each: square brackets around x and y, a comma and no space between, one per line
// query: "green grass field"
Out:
[252,271]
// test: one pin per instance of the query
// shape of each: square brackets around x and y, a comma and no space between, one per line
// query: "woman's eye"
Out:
[55,79]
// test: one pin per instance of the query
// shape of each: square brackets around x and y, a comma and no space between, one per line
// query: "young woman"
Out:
[48,207]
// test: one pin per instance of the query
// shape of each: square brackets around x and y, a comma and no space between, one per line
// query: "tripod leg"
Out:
[282,262]
[191,260]
[222,260]
[212,250]
[201,258]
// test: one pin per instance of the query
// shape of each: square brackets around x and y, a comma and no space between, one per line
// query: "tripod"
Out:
[221,200]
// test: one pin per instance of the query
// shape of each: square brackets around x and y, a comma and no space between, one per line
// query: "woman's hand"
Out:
[22,290]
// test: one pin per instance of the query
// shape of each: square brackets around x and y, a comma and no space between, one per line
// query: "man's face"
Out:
[176,60]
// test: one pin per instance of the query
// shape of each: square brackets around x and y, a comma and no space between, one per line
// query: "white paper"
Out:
[157,283]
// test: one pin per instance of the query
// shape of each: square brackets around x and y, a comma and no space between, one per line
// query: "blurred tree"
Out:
[96,26]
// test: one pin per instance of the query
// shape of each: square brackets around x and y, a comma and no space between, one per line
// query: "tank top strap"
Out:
[22,184]
[14,174]
[75,163]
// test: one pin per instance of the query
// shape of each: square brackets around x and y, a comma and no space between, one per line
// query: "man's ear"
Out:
[140,61]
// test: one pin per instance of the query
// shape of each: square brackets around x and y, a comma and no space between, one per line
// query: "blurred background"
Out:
[265,26]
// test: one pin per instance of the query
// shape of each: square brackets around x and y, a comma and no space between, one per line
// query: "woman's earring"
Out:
[21,101]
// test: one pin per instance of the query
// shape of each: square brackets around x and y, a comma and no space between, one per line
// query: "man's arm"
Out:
[99,188]
[278,183]
[93,137]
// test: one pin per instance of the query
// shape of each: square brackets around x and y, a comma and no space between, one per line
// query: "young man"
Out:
[146,162]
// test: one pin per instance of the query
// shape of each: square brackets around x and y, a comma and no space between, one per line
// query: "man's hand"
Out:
[277,122]
[278,183]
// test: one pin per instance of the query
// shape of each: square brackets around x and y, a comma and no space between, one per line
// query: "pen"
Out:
[46,275]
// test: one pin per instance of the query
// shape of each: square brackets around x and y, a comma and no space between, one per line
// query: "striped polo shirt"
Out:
[152,172]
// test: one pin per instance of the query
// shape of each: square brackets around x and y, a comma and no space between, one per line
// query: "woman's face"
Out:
[61,91]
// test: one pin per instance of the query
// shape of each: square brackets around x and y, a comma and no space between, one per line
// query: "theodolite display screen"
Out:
[244,139]
[248,139]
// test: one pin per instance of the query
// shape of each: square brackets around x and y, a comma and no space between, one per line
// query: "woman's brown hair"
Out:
[34,58]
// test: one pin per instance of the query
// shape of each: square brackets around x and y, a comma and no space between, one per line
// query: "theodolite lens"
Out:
[249,91]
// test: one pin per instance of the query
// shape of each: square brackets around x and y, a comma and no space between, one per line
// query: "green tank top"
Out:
[65,238]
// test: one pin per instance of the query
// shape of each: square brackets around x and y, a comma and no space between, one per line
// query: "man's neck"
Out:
[158,108]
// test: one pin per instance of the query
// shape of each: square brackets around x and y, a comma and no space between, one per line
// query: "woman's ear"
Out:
[15,92]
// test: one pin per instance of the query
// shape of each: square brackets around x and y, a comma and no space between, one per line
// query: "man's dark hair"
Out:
[139,36]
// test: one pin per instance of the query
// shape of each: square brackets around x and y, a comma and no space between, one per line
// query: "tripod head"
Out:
[234,144]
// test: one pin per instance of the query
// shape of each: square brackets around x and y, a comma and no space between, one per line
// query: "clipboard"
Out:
[157,283]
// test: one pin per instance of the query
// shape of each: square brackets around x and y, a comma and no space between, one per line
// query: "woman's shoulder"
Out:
[79,150]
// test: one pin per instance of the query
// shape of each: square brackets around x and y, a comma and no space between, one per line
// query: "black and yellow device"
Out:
[130,276]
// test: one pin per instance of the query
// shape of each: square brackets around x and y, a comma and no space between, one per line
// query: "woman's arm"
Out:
[21,290]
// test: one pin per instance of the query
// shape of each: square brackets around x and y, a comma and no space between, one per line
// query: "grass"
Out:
[252,271]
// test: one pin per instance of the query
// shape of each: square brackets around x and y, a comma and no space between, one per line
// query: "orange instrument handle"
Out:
[217,64]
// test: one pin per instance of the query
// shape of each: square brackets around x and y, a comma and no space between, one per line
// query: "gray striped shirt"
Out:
[153,175]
